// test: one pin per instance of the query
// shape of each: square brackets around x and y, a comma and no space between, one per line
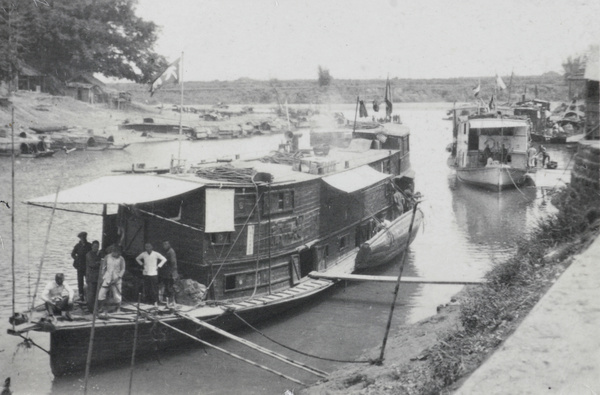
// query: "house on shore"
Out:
[85,87]
[29,79]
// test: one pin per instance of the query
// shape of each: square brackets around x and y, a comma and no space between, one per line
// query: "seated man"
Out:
[58,297]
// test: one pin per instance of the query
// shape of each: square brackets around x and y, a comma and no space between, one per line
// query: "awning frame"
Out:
[365,175]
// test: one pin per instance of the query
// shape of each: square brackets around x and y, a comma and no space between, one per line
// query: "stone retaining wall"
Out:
[586,170]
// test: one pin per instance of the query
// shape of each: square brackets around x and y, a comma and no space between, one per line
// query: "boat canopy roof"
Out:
[486,123]
[355,179]
[121,189]
[389,129]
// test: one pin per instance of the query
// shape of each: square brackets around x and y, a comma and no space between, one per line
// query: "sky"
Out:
[364,39]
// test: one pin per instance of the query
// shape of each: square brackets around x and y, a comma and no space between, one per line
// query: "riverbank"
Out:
[438,354]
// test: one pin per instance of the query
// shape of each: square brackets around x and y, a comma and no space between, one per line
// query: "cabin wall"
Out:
[289,218]
[187,243]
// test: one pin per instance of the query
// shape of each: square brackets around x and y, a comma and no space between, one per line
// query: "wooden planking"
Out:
[286,230]
[391,279]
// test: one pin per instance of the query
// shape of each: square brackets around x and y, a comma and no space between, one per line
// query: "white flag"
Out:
[477,89]
[499,83]
[171,74]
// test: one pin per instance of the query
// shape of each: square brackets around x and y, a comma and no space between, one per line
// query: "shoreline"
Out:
[439,353]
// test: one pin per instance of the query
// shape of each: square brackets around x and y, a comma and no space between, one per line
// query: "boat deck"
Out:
[82,318]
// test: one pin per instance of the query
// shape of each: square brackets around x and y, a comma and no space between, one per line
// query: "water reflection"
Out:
[465,230]
[494,220]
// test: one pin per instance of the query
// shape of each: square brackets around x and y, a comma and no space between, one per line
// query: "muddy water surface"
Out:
[465,231]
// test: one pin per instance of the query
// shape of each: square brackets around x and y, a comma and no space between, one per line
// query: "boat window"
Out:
[326,251]
[343,242]
[244,203]
[280,202]
[496,131]
[473,140]
[230,282]
[220,238]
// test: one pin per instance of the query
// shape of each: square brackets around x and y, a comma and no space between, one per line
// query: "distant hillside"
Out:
[550,86]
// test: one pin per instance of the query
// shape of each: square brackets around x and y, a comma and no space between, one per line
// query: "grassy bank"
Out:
[485,316]
[548,86]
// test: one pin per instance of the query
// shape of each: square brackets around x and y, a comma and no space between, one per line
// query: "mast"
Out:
[180,111]
[355,112]
[12,211]
[510,85]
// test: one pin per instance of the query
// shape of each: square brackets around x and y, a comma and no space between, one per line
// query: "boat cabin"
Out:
[484,140]
[258,225]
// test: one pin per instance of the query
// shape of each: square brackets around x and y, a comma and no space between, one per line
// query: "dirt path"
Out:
[556,349]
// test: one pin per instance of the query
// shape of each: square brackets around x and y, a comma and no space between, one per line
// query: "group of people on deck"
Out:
[106,269]
[533,155]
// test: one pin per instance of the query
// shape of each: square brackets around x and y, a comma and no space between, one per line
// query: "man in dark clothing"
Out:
[93,263]
[78,254]
[168,274]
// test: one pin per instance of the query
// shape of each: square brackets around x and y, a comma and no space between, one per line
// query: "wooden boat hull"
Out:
[495,178]
[389,243]
[113,341]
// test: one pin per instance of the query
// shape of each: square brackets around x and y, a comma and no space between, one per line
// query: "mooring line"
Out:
[295,350]
[256,347]
[230,353]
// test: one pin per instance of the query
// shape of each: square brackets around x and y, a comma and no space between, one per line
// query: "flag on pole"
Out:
[375,106]
[171,74]
[388,99]
[499,83]
[492,105]
[362,110]
[477,89]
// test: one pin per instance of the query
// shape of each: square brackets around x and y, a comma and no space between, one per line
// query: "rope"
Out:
[515,184]
[257,244]
[28,341]
[228,352]
[231,248]
[39,277]
[296,350]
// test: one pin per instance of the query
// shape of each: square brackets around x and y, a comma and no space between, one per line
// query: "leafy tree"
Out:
[324,77]
[574,65]
[12,39]
[62,38]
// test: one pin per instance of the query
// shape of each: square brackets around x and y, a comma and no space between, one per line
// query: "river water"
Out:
[466,230]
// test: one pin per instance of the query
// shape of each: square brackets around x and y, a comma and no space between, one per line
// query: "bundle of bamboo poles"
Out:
[227,173]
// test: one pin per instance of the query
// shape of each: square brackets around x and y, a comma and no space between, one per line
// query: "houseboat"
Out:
[24,145]
[491,151]
[250,231]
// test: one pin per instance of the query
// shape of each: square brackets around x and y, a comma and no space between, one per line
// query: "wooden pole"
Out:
[39,276]
[230,353]
[269,233]
[355,113]
[404,254]
[180,114]
[135,336]
[12,211]
[256,347]
[88,360]
[389,279]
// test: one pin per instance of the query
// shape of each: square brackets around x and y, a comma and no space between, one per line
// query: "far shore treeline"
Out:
[549,86]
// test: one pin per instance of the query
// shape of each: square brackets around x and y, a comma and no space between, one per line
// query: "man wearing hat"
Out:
[78,254]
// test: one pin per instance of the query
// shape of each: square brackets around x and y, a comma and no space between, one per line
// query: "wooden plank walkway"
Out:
[390,279]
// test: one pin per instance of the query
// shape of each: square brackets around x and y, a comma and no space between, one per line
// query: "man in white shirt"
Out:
[151,261]
[58,297]
[113,268]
